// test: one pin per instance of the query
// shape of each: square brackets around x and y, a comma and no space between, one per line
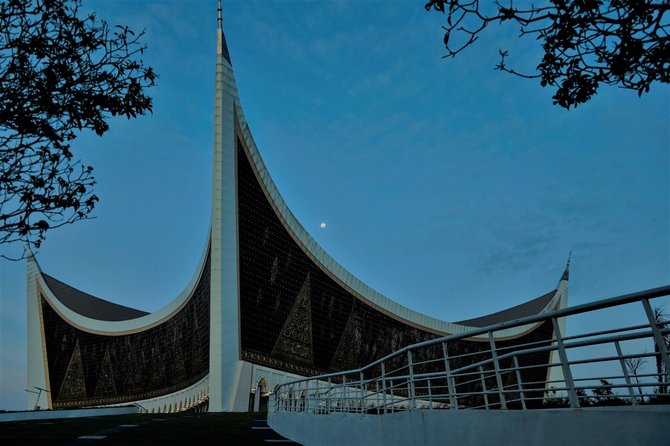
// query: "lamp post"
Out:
[39,394]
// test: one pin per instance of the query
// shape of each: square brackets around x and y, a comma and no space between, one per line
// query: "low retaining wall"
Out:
[592,426]
[71,413]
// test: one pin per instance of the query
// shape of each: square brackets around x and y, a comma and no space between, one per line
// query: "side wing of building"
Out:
[90,352]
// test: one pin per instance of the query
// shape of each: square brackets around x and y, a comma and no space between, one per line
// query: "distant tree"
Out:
[604,395]
[553,400]
[634,365]
[586,42]
[584,400]
[59,74]
[662,374]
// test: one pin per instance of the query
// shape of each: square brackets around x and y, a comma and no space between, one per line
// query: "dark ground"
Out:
[144,429]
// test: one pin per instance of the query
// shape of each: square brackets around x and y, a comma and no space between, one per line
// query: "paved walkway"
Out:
[260,427]
[234,429]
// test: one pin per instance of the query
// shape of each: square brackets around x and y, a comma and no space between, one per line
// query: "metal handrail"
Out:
[494,378]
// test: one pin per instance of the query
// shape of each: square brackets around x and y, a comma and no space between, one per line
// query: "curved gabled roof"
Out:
[530,308]
[88,305]
[96,315]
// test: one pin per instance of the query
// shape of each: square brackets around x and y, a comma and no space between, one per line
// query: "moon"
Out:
[323,225]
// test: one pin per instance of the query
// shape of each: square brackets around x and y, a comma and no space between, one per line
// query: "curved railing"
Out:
[619,355]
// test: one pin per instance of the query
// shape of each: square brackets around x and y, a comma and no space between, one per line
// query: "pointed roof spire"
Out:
[222,46]
[566,273]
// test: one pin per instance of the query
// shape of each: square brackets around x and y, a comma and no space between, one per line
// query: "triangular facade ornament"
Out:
[106,385]
[134,380]
[346,353]
[294,342]
[74,385]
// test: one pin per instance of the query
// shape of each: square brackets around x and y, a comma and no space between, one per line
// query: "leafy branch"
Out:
[586,43]
[59,75]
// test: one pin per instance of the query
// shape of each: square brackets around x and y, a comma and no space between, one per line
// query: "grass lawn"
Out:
[150,429]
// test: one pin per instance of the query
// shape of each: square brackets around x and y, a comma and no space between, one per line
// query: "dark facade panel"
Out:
[89,369]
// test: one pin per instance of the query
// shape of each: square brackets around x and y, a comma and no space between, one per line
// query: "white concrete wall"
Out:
[178,401]
[549,427]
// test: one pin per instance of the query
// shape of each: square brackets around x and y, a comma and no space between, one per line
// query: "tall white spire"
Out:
[224,358]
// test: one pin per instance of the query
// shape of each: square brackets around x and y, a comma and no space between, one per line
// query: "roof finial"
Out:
[221,45]
[566,273]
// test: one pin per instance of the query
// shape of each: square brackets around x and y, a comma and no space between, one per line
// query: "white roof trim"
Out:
[117,328]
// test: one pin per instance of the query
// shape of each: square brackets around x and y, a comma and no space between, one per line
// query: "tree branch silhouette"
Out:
[59,75]
[586,43]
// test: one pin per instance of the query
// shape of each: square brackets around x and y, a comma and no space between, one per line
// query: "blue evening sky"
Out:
[453,189]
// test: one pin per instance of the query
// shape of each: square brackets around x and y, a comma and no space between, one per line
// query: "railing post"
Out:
[631,392]
[302,395]
[362,400]
[522,397]
[384,386]
[567,374]
[484,391]
[317,396]
[392,396]
[430,396]
[291,396]
[658,338]
[345,405]
[281,398]
[330,388]
[496,367]
[451,383]
[410,386]
[297,397]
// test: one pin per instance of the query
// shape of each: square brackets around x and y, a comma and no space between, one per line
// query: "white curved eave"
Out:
[116,328]
[360,289]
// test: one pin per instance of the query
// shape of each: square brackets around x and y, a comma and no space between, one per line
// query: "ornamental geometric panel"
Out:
[295,340]
[73,386]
